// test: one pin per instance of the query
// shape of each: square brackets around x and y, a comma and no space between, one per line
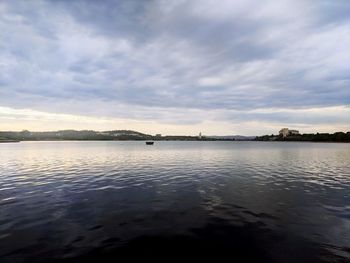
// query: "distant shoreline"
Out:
[129,135]
[120,140]
[170,140]
[311,137]
[9,141]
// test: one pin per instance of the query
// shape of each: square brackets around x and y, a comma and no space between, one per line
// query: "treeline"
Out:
[73,135]
[309,137]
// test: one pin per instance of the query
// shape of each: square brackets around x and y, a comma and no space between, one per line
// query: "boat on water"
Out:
[149,143]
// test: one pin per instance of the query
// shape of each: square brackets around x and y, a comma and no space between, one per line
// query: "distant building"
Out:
[158,135]
[286,132]
[200,135]
[293,132]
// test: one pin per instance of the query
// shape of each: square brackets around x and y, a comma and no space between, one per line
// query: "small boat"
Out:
[149,143]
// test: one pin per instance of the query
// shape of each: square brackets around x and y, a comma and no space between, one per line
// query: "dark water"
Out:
[107,201]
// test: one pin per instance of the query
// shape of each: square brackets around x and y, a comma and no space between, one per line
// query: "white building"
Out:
[286,132]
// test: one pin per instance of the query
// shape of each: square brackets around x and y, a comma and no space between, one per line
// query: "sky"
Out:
[226,67]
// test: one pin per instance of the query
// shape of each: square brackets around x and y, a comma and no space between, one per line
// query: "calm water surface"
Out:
[257,201]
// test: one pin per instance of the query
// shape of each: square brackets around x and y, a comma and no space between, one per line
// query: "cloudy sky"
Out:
[223,67]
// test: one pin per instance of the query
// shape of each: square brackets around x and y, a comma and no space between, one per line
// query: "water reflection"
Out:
[272,202]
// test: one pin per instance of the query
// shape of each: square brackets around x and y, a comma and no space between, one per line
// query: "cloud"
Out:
[183,62]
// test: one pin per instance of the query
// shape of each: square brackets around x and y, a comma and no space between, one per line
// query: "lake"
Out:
[99,200]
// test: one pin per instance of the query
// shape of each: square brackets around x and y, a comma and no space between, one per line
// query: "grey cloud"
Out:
[111,18]
[150,54]
[330,12]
